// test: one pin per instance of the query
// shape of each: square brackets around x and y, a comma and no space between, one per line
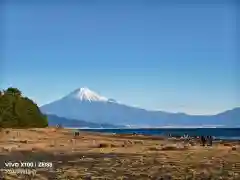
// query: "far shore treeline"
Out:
[17,111]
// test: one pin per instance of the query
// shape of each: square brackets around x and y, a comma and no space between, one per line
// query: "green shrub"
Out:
[17,111]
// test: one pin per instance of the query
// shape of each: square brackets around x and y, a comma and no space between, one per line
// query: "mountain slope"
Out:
[90,106]
[54,120]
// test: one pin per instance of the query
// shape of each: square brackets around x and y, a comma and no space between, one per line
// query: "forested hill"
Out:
[17,111]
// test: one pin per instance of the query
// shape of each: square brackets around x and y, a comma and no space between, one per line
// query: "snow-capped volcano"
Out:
[85,94]
[85,104]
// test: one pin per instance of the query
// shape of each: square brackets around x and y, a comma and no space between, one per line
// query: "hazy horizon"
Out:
[155,55]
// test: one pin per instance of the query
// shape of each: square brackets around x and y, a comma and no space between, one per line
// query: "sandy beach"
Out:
[106,156]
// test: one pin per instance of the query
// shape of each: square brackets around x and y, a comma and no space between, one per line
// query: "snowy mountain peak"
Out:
[85,94]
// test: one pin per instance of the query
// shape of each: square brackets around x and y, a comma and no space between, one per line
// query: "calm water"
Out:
[220,133]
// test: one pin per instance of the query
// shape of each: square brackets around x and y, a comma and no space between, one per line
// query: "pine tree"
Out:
[18,111]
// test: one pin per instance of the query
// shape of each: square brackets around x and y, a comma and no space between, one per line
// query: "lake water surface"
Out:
[219,133]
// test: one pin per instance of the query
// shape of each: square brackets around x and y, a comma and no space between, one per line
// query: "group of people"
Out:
[206,140]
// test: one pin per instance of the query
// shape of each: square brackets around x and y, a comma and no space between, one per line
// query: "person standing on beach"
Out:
[203,140]
[186,138]
[207,140]
[210,140]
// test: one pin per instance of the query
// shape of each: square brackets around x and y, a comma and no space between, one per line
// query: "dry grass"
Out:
[118,156]
[174,147]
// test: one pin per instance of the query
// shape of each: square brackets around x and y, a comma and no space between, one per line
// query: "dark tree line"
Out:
[17,111]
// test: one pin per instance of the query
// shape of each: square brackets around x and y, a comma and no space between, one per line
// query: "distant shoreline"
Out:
[132,128]
[232,134]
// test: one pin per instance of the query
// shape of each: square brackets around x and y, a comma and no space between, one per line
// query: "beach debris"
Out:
[227,144]
[34,149]
[88,177]
[10,148]
[106,145]
[73,141]
[103,145]
[138,142]
[23,141]
[154,149]
[128,142]
[174,147]
[53,143]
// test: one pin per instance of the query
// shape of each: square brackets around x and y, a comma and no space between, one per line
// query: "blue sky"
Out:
[161,55]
